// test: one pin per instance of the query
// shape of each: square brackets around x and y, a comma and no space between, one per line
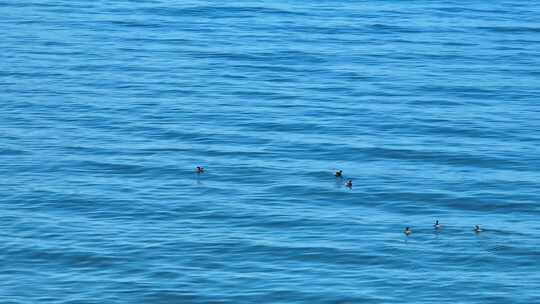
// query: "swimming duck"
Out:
[200,169]
[477,229]
[339,173]
[349,184]
[407,231]
[437,225]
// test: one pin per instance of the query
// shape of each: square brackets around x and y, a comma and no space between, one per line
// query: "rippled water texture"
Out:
[430,107]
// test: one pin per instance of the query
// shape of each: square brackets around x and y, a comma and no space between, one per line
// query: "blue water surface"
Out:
[430,107]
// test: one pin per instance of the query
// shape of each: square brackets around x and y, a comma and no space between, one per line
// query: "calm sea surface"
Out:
[430,107]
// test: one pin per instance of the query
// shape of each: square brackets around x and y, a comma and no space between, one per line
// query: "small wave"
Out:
[8,151]
[511,29]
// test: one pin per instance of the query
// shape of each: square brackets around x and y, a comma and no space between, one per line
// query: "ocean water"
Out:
[431,108]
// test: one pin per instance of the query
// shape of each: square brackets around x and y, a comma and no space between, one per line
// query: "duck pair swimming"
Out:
[340,174]
[200,169]
[437,226]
